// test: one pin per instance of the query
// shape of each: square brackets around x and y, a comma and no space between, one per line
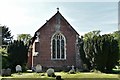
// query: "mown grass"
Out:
[64,76]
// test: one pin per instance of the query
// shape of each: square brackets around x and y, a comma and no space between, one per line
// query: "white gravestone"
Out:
[50,72]
[18,68]
[73,68]
[38,68]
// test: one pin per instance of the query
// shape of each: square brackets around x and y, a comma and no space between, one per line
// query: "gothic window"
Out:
[58,47]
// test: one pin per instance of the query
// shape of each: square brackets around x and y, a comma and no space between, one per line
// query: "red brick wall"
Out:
[29,61]
[46,32]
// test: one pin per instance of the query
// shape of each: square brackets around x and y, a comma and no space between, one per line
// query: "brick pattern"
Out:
[44,49]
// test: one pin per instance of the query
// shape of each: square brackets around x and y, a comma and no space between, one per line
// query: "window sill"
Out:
[58,59]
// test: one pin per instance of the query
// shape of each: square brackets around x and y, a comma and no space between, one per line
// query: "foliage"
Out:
[82,52]
[17,53]
[4,55]
[6,35]
[25,38]
[116,35]
[90,35]
[99,51]
[3,51]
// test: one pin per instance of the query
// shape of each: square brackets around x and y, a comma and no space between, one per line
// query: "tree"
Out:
[88,48]
[6,35]
[4,59]
[116,36]
[82,52]
[109,52]
[17,53]
[101,52]
[25,38]
[90,35]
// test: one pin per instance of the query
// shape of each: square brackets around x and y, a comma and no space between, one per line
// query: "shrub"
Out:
[58,78]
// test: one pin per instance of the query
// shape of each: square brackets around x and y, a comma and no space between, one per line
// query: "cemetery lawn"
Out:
[64,76]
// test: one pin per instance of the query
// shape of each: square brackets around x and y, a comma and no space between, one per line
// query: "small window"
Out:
[37,39]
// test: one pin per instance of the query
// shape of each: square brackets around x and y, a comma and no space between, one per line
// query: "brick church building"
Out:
[55,44]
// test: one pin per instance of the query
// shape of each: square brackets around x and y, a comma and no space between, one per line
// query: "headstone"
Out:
[18,68]
[33,69]
[72,71]
[3,72]
[38,68]
[50,72]
[73,67]
[6,72]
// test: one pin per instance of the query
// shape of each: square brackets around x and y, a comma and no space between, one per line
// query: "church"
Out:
[55,45]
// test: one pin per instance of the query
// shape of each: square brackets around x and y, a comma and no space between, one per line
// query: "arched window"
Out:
[58,49]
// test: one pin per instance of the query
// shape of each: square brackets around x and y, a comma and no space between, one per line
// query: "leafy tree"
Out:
[82,52]
[6,35]
[5,39]
[99,51]
[4,59]
[109,53]
[116,35]
[90,35]
[17,53]
[89,48]
[25,38]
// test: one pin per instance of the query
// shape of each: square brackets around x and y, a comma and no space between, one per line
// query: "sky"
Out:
[26,16]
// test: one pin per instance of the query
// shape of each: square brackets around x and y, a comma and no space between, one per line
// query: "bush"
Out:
[58,78]
[4,59]
[17,54]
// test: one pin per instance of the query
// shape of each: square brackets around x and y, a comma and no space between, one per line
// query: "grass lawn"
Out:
[65,76]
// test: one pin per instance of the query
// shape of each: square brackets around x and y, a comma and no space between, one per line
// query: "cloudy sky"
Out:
[26,16]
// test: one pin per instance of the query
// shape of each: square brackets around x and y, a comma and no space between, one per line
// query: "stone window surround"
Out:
[62,38]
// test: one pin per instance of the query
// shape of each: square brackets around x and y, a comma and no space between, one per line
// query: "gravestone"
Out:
[6,72]
[50,72]
[18,68]
[72,71]
[38,68]
[33,69]
[73,68]
[3,72]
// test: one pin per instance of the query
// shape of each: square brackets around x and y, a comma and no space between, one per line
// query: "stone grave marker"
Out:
[18,68]
[6,72]
[73,68]
[38,68]
[50,72]
[72,71]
